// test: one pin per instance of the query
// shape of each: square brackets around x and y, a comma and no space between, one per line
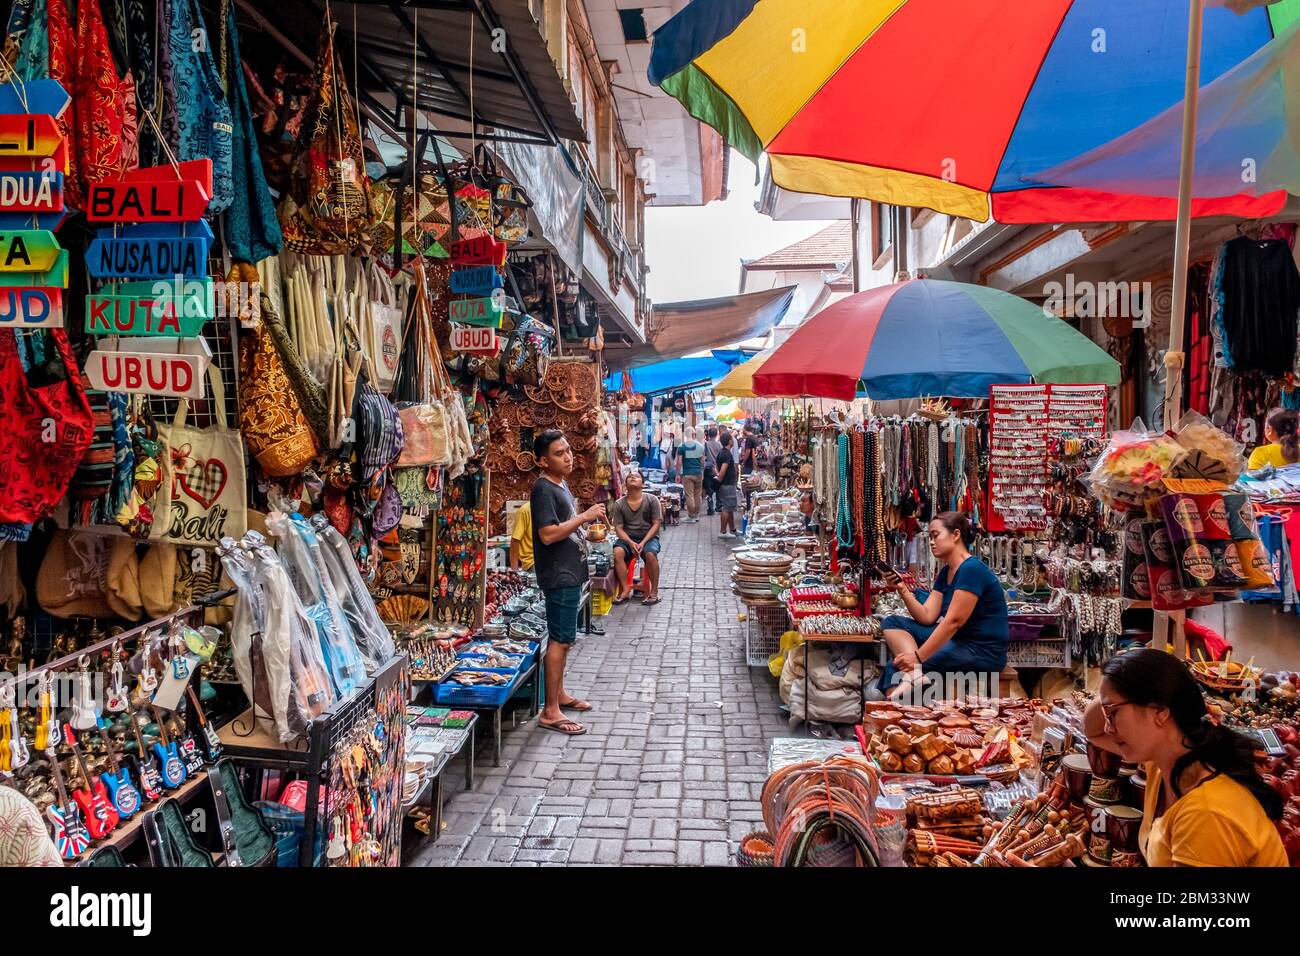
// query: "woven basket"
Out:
[756,849]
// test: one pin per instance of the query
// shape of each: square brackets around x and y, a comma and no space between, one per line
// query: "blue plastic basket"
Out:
[288,824]
[449,693]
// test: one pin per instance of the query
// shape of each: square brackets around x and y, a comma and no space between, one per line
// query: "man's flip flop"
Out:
[575,729]
[581,706]
[650,602]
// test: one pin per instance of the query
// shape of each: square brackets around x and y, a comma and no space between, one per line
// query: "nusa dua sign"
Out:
[472,340]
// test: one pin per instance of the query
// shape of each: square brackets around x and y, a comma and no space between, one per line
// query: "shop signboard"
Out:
[473,340]
[483,312]
[31,192]
[22,308]
[154,194]
[56,276]
[152,251]
[478,251]
[166,367]
[28,140]
[28,250]
[34,96]
[479,280]
[148,315]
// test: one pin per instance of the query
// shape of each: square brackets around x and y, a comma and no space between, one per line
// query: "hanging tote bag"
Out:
[328,210]
[196,119]
[278,434]
[107,122]
[47,427]
[421,385]
[209,486]
[382,336]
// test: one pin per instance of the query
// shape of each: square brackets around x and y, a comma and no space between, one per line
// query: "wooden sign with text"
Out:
[472,340]
[154,194]
[480,280]
[178,317]
[478,251]
[177,372]
[55,277]
[28,250]
[31,142]
[31,308]
[33,97]
[484,312]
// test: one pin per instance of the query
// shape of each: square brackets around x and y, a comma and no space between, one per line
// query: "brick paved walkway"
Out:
[670,770]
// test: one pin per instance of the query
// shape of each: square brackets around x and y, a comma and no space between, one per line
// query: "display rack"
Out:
[252,740]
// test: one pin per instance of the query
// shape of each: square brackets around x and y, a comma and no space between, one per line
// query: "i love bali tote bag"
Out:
[209,485]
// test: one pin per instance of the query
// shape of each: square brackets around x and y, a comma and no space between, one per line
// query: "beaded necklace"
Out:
[859,527]
[843,525]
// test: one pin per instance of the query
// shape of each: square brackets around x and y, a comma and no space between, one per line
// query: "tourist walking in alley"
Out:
[728,499]
[711,448]
[636,519]
[560,556]
[690,465]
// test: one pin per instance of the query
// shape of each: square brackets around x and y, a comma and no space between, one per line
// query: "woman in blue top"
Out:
[961,627]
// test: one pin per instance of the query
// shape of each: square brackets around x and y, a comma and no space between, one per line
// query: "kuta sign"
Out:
[56,276]
[156,194]
[28,250]
[31,308]
[152,251]
[149,315]
[151,367]
[478,251]
[484,312]
[472,340]
[480,280]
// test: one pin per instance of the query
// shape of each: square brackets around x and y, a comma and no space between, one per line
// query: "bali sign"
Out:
[156,194]
[478,251]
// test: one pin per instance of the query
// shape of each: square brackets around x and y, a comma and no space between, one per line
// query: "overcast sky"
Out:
[694,252]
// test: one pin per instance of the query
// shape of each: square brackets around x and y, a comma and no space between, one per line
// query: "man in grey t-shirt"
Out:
[636,519]
[711,448]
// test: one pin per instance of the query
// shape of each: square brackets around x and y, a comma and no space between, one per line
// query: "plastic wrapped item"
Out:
[372,636]
[1211,453]
[276,652]
[1134,463]
[300,551]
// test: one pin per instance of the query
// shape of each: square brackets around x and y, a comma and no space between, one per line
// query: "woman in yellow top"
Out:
[521,539]
[1205,802]
[1282,432]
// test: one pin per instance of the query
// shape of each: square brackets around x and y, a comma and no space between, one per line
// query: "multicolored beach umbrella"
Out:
[953,106]
[929,337]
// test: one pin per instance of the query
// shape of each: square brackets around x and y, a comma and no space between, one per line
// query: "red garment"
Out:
[63,67]
[106,143]
[47,432]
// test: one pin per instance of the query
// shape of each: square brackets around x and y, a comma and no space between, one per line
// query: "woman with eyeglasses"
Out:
[1206,804]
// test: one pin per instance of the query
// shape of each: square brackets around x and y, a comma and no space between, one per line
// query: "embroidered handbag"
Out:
[382,337]
[422,384]
[196,118]
[527,353]
[48,428]
[328,209]
[278,434]
[209,489]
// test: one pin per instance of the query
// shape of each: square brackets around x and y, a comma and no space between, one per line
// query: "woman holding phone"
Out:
[961,628]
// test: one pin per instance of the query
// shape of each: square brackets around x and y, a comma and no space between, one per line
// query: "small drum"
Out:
[1077,776]
[1105,789]
[1103,762]
[1098,839]
[1122,827]
[1137,785]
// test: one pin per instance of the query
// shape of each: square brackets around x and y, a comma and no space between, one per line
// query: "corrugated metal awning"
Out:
[681,328]
[514,85]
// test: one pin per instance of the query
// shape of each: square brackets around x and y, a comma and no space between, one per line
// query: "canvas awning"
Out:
[673,374]
[681,328]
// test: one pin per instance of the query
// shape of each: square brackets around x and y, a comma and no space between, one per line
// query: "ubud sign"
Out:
[148,373]
[484,312]
[472,340]
[31,308]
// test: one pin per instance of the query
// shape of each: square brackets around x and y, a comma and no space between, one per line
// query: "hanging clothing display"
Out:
[1260,298]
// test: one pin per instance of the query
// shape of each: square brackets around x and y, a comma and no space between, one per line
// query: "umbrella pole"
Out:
[1174,357]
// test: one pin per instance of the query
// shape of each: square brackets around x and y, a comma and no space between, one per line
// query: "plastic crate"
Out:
[288,824]
[1054,652]
[764,625]
[481,696]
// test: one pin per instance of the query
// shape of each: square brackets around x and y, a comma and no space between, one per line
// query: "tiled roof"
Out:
[831,245]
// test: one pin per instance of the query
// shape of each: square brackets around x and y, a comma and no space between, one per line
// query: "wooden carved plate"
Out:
[545,415]
[583,444]
[525,461]
[537,394]
[576,391]
[524,415]
[585,489]
[557,377]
